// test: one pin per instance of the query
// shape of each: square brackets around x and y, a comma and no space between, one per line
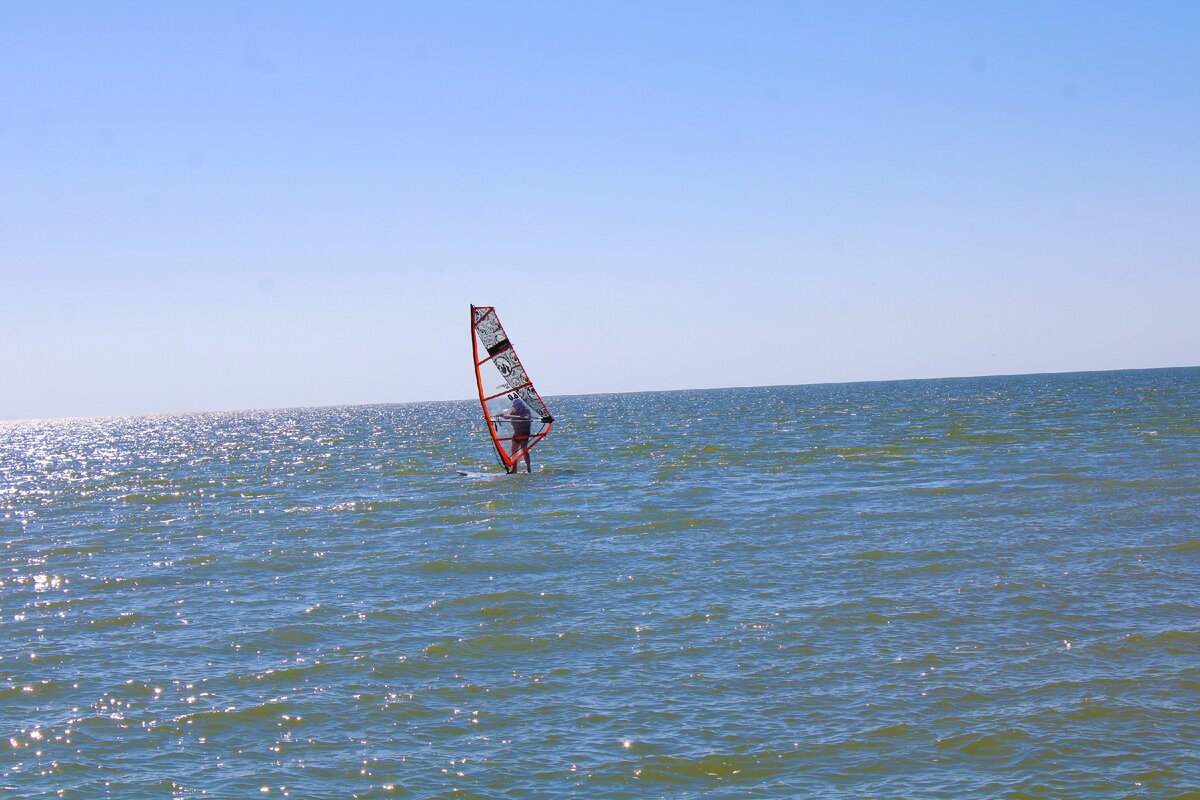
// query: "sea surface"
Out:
[969,588]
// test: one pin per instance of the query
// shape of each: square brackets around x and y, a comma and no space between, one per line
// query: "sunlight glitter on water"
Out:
[943,589]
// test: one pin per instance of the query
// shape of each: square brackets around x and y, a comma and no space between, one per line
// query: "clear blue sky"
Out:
[215,205]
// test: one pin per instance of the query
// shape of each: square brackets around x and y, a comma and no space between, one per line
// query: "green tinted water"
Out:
[961,588]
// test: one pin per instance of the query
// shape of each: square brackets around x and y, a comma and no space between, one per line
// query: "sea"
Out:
[961,588]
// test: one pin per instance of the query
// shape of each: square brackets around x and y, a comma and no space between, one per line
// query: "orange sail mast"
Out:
[500,376]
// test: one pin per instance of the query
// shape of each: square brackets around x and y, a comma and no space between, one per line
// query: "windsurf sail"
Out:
[501,379]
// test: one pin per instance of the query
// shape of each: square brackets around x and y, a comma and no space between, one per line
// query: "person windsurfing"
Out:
[520,417]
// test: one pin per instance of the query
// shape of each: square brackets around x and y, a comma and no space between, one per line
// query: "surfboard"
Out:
[485,476]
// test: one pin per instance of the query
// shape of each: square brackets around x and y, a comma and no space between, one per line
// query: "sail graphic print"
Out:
[500,377]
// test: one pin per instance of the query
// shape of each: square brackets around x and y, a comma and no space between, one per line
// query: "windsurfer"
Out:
[520,417]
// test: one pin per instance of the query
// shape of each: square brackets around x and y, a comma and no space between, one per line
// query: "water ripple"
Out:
[943,589]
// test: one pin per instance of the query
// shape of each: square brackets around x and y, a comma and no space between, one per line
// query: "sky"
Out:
[230,205]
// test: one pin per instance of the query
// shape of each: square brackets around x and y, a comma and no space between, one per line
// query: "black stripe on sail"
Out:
[498,346]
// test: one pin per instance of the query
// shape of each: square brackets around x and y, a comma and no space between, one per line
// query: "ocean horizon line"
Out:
[550,396]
